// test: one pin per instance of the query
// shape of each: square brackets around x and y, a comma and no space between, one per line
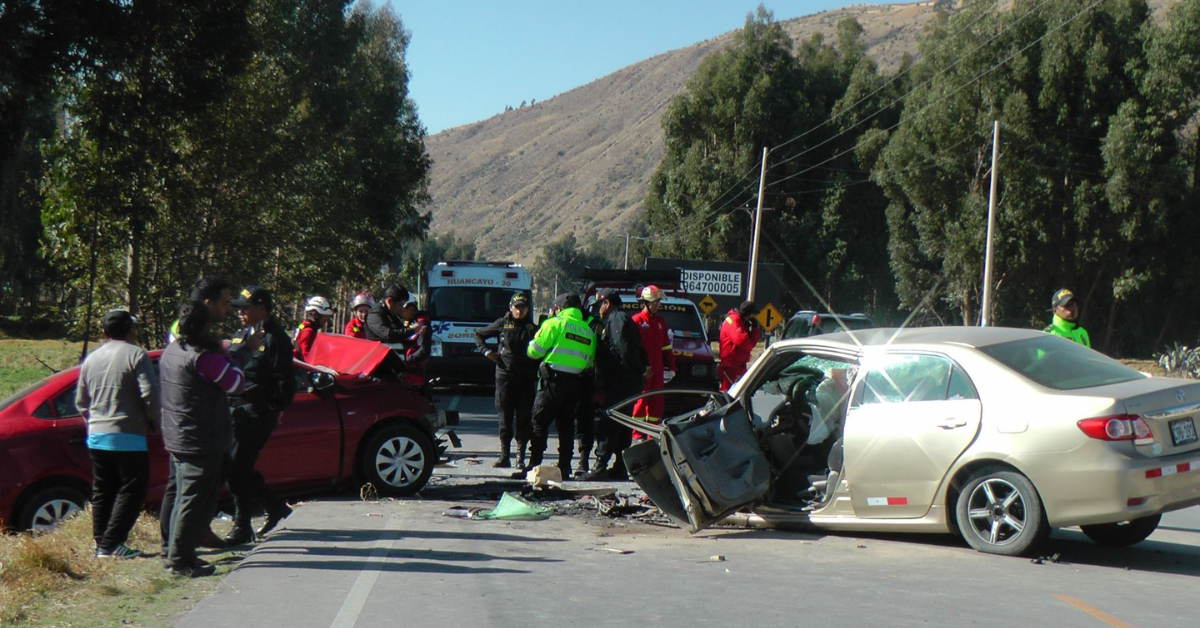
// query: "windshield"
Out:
[472,304]
[681,319]
[1061,364]
[20,394]
[801,327]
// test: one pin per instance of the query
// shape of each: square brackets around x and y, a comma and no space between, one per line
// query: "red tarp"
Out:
[347,354]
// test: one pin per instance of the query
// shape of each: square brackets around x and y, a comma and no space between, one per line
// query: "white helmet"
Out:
[651,293]
[362,298]
[320,305]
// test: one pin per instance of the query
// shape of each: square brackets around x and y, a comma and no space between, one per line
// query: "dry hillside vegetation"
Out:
[581,161]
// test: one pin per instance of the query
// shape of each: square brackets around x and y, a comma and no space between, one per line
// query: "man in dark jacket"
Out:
[621,365]
[417,342]
[270,386]
[383,321]
[516,376]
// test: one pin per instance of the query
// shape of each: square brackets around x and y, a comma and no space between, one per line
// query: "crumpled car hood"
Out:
[348,355]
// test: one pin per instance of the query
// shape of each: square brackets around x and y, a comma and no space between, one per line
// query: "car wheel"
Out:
[49,507]
[1124,533]
[999,512]
[399,460]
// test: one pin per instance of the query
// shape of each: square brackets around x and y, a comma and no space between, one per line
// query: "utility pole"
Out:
[626,251]
[985,317]
[762,184]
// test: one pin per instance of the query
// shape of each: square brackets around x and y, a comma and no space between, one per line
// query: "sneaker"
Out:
[120,551]
[274,516]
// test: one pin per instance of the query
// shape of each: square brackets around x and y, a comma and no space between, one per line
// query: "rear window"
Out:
[1060,364]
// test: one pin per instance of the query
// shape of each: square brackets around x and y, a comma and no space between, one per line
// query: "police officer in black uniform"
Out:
[270,386]
[516,375]
[620,366]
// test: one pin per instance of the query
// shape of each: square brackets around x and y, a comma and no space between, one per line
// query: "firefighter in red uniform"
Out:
[739,334]
[317,313]
[359,306]
[418,338]
[656,341]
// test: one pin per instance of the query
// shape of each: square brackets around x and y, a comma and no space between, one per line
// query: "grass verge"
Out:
[54,580]
[19,365]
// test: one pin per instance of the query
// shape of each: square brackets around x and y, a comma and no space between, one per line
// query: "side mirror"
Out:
[322,381]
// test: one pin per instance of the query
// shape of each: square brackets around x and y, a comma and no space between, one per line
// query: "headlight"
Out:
[435,349]
[700,371]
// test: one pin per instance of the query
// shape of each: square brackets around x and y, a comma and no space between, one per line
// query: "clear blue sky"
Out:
[470,58]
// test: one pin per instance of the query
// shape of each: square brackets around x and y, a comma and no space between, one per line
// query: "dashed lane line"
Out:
[1094,612]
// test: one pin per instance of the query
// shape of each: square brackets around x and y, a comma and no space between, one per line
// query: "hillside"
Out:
[580,162]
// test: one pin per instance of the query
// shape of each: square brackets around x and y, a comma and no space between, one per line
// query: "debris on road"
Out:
[611,550]
[511,507]
[715,558]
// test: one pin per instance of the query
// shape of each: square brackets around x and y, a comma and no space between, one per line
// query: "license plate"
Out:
[1183,431]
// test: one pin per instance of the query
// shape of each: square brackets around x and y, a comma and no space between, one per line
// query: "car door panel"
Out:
[712,460]
[901,437]
[305,447]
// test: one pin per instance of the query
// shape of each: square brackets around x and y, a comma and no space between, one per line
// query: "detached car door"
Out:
[911,417]
[699,466]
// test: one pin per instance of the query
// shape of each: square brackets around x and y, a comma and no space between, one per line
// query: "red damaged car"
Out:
[343,428]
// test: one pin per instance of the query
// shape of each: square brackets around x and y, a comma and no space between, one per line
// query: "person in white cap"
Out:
[317,313]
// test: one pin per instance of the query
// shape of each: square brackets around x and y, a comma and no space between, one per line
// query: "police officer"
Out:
[567,348]
[1065,323]
[516,375]
[270,386]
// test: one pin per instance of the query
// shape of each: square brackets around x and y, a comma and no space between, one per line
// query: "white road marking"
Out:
[454,402]
[356,599]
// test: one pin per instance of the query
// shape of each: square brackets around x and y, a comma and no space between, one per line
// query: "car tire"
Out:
[999,512]
[399,460]
[47,508]
[1124,533]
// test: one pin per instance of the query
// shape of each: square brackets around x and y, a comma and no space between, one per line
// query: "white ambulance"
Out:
[461,297]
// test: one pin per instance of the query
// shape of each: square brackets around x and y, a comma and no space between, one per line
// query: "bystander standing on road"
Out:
[270,386]
[621,367]
[118,397]
[516,376]
[360,306]
[195,376]
[317,313]
[656,340]
[739,334]
[567,347]
[1065,323]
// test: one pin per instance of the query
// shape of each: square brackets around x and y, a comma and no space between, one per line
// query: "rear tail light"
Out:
[1119,427]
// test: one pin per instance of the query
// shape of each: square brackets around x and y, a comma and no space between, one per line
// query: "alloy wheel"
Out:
[399,461]
[52,513]
[997,511]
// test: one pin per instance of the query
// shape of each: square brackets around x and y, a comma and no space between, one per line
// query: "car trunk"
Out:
[1171,409]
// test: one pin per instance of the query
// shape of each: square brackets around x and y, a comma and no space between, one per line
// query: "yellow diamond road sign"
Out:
[768,317]
[707,304]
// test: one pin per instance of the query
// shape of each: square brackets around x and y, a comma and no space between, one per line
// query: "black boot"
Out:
[503,461]
[240,533]
[521,454]
[275,513]
[582,467]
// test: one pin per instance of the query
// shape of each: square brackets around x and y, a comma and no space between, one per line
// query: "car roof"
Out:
[974,337]
[809,313]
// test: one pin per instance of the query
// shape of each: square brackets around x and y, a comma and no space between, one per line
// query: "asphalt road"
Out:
[344,562]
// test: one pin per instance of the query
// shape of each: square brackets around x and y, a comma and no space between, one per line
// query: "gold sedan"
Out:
[996,434]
